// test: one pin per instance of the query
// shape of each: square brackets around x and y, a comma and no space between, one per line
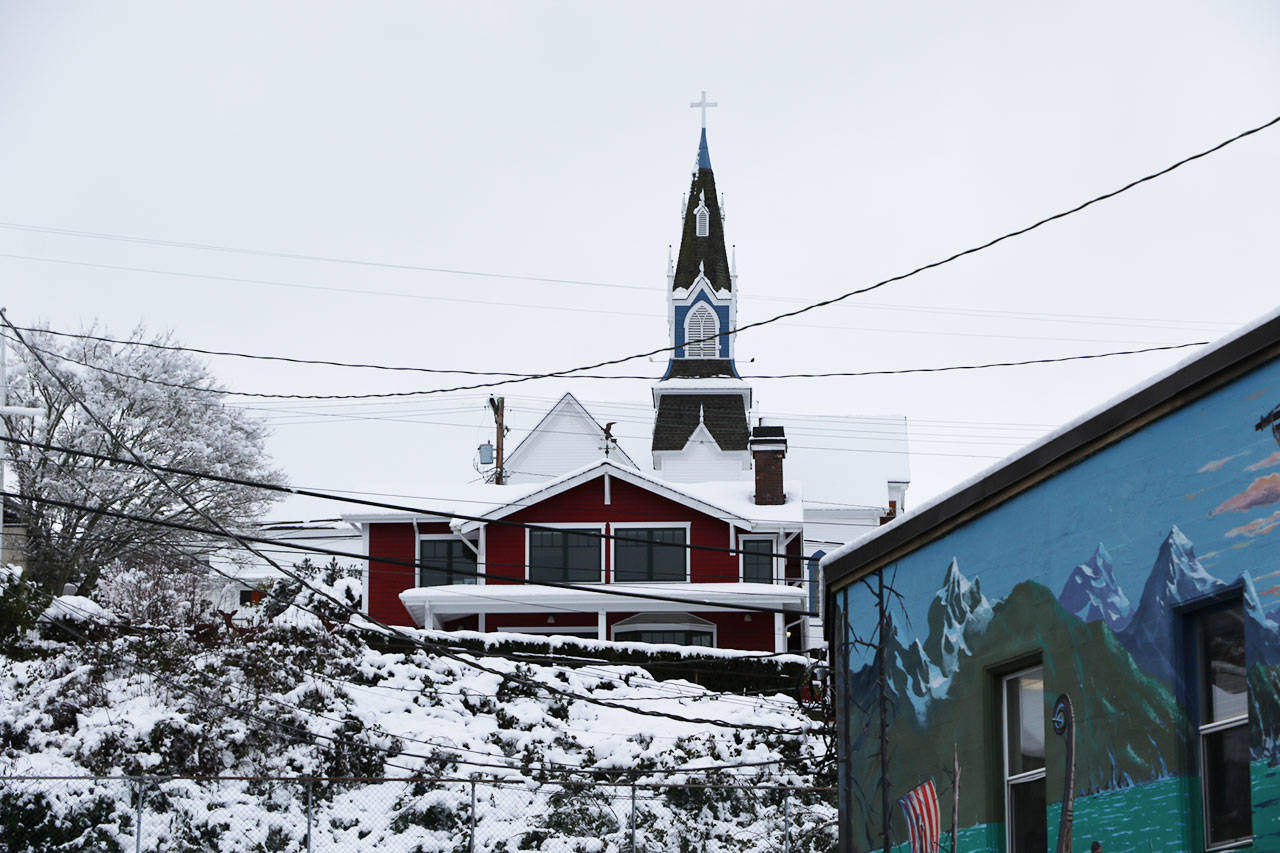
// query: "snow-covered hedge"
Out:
[300,702]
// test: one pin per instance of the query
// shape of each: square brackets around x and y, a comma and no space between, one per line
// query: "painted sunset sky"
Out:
[1205,469]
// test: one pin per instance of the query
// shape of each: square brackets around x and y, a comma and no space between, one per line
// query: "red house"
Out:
[473,574]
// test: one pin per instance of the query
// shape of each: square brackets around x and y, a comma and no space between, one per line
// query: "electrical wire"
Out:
[813,306]
[248,546]
[429,391]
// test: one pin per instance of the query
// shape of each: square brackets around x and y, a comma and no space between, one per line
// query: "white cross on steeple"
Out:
[702,105]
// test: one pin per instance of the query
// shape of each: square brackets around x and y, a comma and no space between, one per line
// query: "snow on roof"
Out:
[445,602]
[733,498]
[703,383]
[836,477]
[1029,449]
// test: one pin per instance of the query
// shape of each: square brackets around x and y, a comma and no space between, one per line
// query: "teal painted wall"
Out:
[1091,572]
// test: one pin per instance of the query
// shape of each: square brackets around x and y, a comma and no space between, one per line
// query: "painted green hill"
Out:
[1129,729]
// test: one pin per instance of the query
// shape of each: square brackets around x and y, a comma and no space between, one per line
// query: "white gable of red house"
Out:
[611,499]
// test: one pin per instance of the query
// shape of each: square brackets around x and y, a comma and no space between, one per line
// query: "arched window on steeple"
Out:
[701,323]
[703,222]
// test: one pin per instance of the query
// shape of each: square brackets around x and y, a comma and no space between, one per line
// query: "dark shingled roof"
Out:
[700,368]
[724,414]
[708,251]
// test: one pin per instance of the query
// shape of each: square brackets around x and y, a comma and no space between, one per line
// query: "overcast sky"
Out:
[852,142]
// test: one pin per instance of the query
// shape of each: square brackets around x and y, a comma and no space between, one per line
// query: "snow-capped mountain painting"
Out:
[1176,577]
[1092,592]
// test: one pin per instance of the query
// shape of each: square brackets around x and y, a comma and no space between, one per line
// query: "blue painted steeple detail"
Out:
[704,157]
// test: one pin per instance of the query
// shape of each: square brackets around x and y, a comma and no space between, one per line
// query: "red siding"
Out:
[750,631]
[388,580]
[583,504]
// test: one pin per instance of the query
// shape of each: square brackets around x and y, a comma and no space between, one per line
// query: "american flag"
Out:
[920,806]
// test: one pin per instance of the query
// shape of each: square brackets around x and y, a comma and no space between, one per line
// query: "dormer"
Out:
[702,217]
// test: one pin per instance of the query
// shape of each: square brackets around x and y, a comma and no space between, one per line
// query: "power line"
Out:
[757,324]
[270,593]
[343,606]
[422,392]
[135,664]
[442,514]
[602,589]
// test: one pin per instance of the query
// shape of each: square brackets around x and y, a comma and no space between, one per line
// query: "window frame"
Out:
[1203,704]
[693,625]
[621,527]
[595,527]
[775,577]
[442,537]
[702,220]
[1007,780]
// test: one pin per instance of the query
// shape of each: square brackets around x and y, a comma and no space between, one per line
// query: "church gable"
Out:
[567,438]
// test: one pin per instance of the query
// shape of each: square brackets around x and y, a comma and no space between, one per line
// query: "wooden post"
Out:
[498,404]
[955,797]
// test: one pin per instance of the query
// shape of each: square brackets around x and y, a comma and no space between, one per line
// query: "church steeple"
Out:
[700,426]
[703,303]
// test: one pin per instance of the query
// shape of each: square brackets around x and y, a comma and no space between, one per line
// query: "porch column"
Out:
[779,633]
[602,626]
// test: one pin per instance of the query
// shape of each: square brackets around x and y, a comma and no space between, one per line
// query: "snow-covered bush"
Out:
[303,602]
[164,592]
[19,604]
[554,749]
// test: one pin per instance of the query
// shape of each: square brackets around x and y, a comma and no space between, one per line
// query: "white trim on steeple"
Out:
[702,216]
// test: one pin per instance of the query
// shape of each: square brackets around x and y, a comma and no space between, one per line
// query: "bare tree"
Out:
[167,407]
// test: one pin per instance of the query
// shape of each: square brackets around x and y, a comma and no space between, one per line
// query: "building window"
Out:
[1024,761]
[679,638]
[757,560]
[445,561]
[702,218]
[1224,725]
[250,597]
[701,329]
[660,557]
[564,555]
[682,629]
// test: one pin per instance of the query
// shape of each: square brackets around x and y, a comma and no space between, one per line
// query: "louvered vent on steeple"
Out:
[701,329]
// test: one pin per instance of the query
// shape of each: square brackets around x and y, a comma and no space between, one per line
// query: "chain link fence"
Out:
[407,815]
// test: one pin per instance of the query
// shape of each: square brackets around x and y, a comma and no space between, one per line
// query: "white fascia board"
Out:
[627,475]
[686,296]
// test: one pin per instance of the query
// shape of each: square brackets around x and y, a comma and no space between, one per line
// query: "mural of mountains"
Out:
[1085,658]
[921,671]
[958,607]
[1092,594]
[1176,576]
[1262,630]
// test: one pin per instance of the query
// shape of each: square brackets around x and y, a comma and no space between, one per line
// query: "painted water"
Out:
[1142,819]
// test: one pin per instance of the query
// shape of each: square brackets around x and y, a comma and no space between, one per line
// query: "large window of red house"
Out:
[649,554]
[569,555]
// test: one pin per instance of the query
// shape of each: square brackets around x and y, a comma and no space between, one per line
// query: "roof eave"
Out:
[1232,357]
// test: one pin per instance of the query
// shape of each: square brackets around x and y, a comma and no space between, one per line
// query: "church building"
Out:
[575,537]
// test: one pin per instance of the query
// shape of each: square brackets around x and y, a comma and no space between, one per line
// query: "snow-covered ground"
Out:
[566,743]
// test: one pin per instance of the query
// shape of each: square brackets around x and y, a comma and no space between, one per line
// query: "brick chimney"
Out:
[768,449]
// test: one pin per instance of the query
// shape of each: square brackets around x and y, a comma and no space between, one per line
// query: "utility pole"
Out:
[6,409]
[498,404]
